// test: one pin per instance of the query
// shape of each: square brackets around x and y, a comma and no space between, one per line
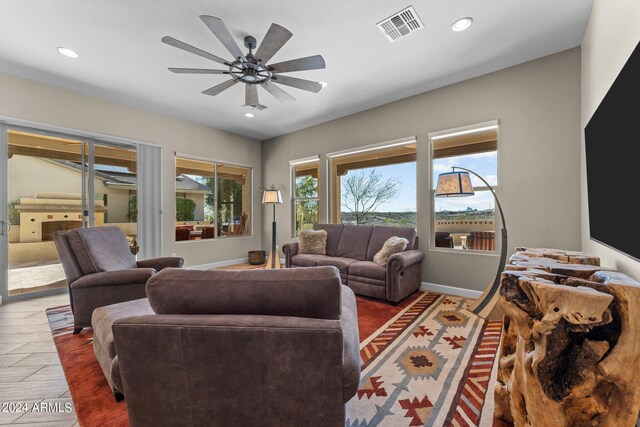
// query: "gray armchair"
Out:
[101,270]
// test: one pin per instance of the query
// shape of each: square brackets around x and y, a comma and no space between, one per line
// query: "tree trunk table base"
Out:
[570,350]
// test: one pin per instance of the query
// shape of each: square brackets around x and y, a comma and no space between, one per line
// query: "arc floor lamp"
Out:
[458,184]
[273,197]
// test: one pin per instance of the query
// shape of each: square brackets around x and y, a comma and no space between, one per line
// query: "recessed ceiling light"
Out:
[68,52]
[250,115]
[462,24]
[324,84]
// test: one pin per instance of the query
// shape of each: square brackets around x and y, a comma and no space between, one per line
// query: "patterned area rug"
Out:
[431,365]
[425,362]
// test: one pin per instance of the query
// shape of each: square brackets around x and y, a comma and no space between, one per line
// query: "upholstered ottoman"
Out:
[103,344]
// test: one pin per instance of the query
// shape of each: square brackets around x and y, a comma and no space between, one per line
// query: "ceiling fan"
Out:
[252,69]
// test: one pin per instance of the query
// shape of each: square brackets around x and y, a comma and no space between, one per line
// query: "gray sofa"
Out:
[351,248]
[226,348]
[101,270]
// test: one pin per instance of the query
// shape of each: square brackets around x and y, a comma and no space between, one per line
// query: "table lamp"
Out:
[273,197]
[458,184]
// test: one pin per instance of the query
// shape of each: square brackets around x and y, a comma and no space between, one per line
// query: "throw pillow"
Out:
[391,246]
[313,242]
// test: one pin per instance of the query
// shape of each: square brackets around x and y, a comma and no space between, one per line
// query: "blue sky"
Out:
[483,163]
[405,173]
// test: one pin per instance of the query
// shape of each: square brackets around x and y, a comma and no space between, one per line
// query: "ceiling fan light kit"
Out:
[252,69]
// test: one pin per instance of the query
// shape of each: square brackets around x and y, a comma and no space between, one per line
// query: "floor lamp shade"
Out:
[271,196]
[454,184]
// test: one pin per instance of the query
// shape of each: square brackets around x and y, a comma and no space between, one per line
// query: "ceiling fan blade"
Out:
[251,95]
[187,47]
[221,31]
[315,62]
[196,71]
[274,90]
[275,38]
[298,83]
[219,88]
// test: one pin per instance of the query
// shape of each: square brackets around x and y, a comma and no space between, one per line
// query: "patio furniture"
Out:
[481,240]
[443,240]
[253,347]
[208,232]
[182,234]
[351,248]
[101,270]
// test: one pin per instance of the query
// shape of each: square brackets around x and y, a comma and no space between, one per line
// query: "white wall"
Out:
[612,33]
[29,100]
[538,106]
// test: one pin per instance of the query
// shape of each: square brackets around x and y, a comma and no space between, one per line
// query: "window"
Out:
[375,185]
[213,199]
[466,223]
[305,175]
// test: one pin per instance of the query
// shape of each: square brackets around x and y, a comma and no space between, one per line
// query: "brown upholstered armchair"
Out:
[228,348]
[101,270]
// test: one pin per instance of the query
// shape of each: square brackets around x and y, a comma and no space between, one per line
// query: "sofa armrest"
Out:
[405,259]
[161,263]
[404,271]
[114,278]
[289,249]
[351,362]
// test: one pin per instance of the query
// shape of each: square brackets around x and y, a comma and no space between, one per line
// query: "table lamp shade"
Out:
[271,197]
[454,184]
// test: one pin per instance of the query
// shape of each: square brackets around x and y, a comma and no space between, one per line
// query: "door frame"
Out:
[89,138]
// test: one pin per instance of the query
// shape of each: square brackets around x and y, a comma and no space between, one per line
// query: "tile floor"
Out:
[30,370]
[35,278]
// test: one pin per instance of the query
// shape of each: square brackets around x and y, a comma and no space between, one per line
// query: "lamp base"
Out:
[271,263]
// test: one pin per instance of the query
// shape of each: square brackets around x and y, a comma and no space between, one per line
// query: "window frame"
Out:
[470,129]
[294,198]
[216,163]
[334,184]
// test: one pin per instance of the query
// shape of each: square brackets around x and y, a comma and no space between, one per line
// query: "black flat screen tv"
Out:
[612,146]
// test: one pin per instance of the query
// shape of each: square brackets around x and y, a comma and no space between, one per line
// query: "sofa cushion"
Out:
[306,260]
[313,242]
[299,292]
[354,242]
[334,232]
[101,249]
[381,233]
[393,245]
[368,269]
[340,263]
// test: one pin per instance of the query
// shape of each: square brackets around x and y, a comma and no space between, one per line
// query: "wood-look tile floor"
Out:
[30,370]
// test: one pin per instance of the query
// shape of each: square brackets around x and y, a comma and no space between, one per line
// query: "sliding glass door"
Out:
[54,182]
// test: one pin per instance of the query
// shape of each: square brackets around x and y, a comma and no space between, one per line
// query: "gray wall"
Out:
[37,102]
[538,106]
[612,34]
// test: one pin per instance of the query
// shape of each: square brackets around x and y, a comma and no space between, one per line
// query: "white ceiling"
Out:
[123,60]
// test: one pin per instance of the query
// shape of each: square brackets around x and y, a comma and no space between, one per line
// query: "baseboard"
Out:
[451,290]
[218,264]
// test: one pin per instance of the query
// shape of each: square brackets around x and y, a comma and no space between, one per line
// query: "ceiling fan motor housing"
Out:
[250,42]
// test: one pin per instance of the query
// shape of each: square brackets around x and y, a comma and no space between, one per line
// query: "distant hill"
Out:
[401,219]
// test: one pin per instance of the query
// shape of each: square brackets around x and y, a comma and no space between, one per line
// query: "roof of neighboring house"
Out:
[121,176]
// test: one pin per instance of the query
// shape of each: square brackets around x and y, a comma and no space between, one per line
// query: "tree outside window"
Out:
[306,202]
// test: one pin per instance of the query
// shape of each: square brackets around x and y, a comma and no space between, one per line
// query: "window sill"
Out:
[465,251]
[180,242]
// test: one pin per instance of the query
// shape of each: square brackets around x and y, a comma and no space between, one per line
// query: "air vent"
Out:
[400,24]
